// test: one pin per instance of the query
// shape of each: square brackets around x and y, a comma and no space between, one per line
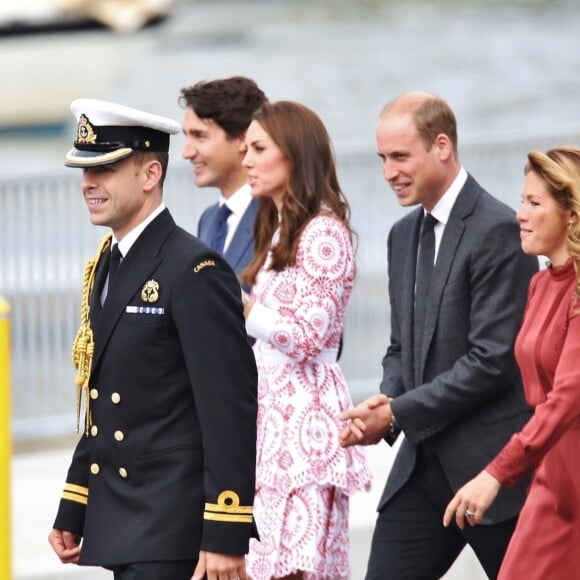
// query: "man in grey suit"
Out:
[454,391]
[217,114]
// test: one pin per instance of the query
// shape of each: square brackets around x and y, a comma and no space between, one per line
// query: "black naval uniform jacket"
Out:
[168,465]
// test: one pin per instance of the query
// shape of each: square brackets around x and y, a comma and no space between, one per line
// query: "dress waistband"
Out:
[273,356]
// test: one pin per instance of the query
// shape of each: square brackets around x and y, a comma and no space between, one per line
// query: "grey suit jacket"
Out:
[469,399]
[241,248]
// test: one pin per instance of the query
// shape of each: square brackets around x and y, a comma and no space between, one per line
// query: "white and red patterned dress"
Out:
[303,477]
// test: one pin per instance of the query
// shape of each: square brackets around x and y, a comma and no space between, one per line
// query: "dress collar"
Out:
[561,272]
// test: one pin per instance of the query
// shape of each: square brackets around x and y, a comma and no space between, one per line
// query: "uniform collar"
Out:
[130,238]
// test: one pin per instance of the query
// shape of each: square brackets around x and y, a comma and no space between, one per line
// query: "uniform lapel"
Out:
[137,266]
[100,277]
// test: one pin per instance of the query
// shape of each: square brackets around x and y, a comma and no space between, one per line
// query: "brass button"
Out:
[94,430]
[116,398]
[123,472]
[94,394]
[119,435]
[95,468]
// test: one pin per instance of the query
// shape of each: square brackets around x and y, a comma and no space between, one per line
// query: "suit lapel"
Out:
[408,275]
[243,236]
[137,266]
[207,224]
[454,231]
[407,295]
[212,225]
[449,244]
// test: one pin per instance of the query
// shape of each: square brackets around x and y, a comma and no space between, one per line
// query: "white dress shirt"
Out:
[443,207]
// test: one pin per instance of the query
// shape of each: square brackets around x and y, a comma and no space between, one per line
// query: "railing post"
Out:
[5,443]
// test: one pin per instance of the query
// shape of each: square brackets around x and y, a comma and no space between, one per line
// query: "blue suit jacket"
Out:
[241,248]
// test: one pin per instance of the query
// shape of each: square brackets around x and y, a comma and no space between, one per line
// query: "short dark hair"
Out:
[140,157]
[228,102]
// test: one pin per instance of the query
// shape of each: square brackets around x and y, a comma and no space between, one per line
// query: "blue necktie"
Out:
[220,229]
[425,263]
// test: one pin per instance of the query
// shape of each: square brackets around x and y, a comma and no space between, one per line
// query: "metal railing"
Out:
[46,238]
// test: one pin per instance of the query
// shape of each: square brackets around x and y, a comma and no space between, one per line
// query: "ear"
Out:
[242,148]
[152,175]
[444,146]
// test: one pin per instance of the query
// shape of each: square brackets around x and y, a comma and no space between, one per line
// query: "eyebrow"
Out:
[195,132]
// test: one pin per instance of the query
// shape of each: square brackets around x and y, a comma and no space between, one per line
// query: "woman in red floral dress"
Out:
[546,542]
[301,277]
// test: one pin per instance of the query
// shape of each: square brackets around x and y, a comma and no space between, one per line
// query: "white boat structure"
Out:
[52,51]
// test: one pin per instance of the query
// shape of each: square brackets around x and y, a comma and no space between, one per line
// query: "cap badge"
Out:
[150,292]
[85,131]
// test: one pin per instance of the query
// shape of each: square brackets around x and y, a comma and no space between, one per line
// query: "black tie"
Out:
[425,260]
[220,229]
[113,266]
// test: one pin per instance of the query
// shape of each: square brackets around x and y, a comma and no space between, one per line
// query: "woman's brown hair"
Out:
[304,141]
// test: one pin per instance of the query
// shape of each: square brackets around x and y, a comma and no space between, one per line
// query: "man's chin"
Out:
[97,220]
[203,181]
[407,201]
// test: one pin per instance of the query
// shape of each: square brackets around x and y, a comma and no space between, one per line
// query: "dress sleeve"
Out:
[315,290]
[551,418]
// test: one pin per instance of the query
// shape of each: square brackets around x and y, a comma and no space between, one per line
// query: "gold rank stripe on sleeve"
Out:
[228,509]
[76,493]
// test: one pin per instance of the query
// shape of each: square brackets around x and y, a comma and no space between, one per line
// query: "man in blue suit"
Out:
[457,289]
[217,114]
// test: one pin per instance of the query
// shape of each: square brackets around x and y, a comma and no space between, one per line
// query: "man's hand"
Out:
[368,422]
[472,500]
[66,545]
[220,566]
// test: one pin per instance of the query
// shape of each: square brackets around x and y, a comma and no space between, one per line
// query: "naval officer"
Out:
[161,483]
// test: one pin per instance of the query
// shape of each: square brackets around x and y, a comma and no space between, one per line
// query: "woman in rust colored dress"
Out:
[546,541]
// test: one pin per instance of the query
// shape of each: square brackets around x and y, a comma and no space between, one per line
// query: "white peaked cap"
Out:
[108,132]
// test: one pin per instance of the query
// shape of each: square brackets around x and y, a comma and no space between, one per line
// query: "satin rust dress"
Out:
[546,541]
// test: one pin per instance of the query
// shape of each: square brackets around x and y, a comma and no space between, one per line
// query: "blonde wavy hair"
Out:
[559,168]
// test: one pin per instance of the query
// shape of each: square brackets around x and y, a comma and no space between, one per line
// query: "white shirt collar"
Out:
[239,201]
[130,238]
[443,207]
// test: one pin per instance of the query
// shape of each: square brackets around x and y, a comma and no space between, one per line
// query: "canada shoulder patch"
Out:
[203,264]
